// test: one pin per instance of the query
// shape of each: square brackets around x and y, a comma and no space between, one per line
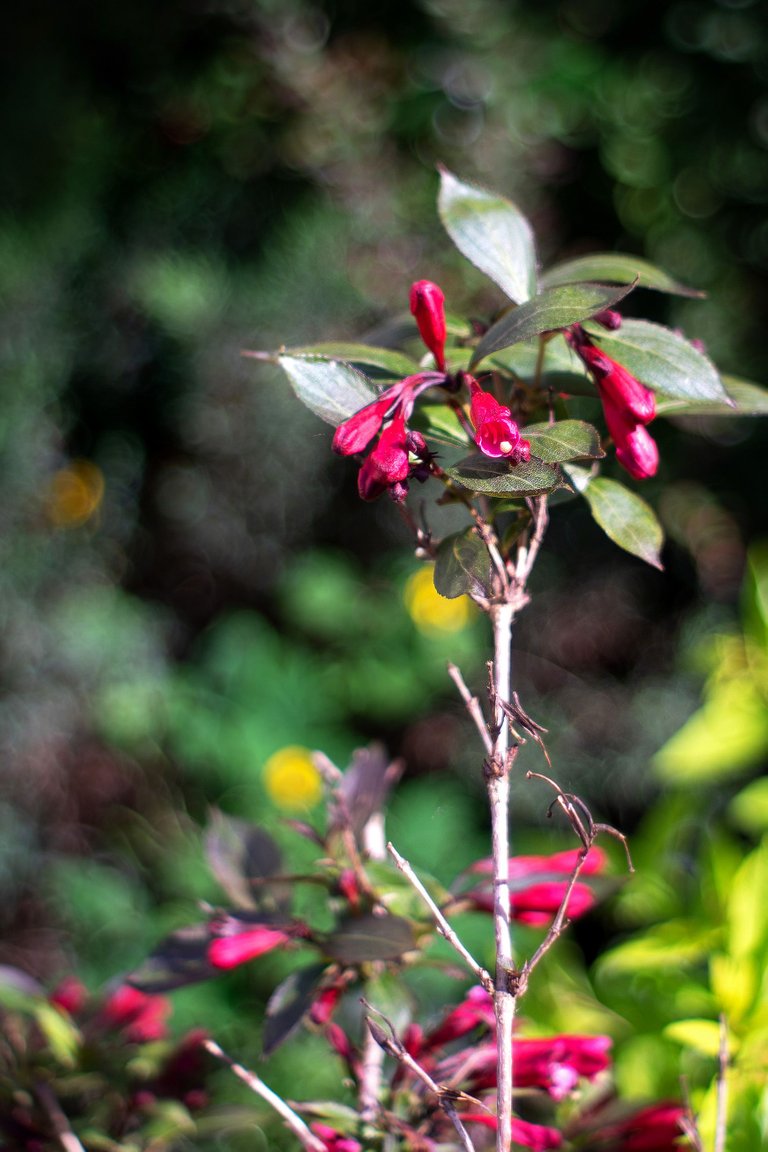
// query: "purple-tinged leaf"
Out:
[239,853]
[463,566]
[615,268]
[178,960]
[288,1005]
[551,310]
[360,939]
[492,233]
[363,789]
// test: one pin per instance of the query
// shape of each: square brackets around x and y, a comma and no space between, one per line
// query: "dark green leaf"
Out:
[492,233]
[663,360]
[463,566]
[564,440]
[359,939]
[179,959]
[331,389]
[748,400]
[238,852]
[288,1005]
[394,363]
[615,268]
[552,309]
[440,423]
[623,515]
[500,478]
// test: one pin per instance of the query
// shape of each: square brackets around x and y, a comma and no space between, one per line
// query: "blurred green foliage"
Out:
[179,182]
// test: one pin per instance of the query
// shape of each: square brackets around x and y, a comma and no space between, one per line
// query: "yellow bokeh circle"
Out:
[431,612]
[74,494]
[291,779]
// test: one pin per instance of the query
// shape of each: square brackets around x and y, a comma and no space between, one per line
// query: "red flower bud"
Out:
[140,1016]
[388,464]
[69,995]
[428,308]
[652,1129]
[476,1009]
[230,951]
[636,450]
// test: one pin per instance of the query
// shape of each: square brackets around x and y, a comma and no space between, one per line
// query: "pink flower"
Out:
[557,1063]
[538,904]
[69,995]
[476,1009]
[496,433]
[564,862]
[387,466]
[428,308]
[652,1129]
[535,1136]
[636,450]
[232,950]
[356,433]
[333,1141]
[141,1017]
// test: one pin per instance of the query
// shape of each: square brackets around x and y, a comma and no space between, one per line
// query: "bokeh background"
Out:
[189,583]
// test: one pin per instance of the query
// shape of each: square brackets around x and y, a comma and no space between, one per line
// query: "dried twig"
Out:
[473,707]
[446,1097]
[580,817]
[257,1085]
[441,923]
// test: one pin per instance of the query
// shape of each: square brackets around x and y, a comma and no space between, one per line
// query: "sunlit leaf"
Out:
[492,233]
[359,939]
[552,309]
[331,389]
[615,268]
[60,1033]
[564,440]
[747,905]
[675,944]
[288,1005]
[463,566]
[439,423]
[623,515]
[748,399]
[480,473]
[701,1035]
[749,807]
[662,359]
[396,364]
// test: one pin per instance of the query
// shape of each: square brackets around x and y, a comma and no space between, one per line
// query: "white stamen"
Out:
[506,447]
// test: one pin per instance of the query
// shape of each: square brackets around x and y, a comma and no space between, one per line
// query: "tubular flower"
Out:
[535,1136]
[334,1141]
[140,1016]
[428,309]
[559,862]
[655,1128]
[557,1063]
[476,1009]
[231,951]
[627,405]
[496,433]
[388,465]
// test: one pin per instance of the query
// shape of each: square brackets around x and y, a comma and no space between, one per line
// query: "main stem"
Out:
[502,616]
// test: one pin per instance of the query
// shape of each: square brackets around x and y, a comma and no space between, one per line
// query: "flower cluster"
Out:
[628,405]
[388,466]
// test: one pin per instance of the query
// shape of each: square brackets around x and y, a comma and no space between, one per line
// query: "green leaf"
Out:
[673,944]
[615,268]
[288,1005]
[662,359]
[748,400]
[724,738]
[480,473]
[359,939]
[564,440]
[701,1035]
[440,423]
[623,515]
[552,309]
[749,808]
[492,233]
[394,363]
[331,389]
[388,994]
[60,1033]
[747,906]
[463,566]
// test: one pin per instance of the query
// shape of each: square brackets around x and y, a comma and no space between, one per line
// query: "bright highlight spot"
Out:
[74,494]
[291,779]
[430,611]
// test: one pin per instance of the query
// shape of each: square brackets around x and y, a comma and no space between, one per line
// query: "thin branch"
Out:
[61,1126]
[257,1085]
[580,817]
[473,707]
[441,923]
[722,1089]
[445,1096]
